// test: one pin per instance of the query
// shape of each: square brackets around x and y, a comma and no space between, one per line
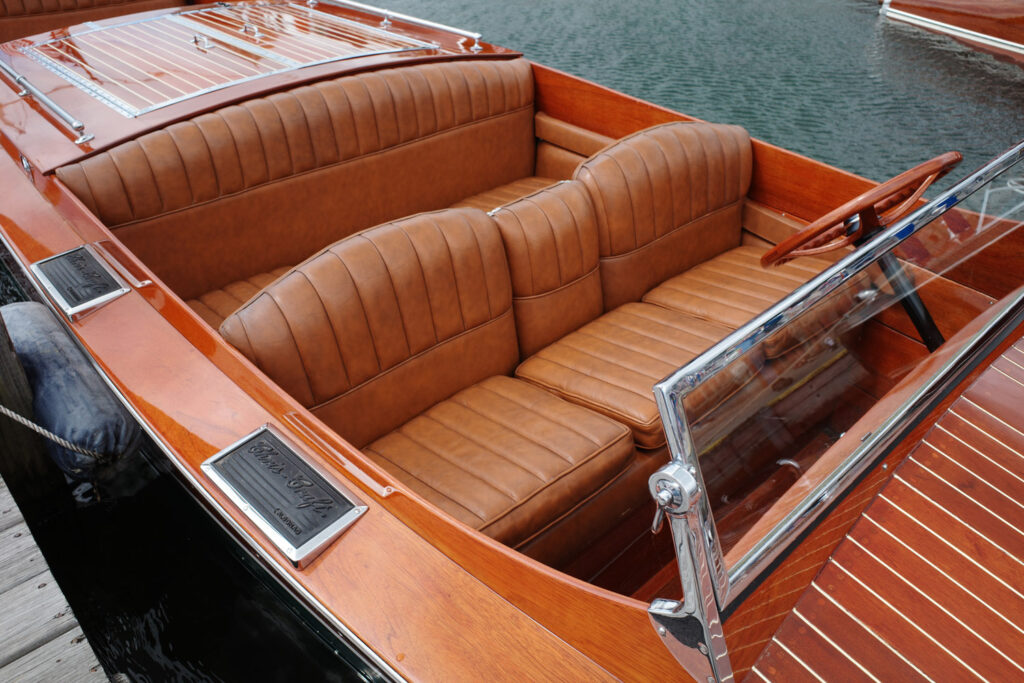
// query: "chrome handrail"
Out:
[59,111]
[699,553]
[388,15]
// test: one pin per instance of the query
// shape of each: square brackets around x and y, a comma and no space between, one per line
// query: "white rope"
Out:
[50,435]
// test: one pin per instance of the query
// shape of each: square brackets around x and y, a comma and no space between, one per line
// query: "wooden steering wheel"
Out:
[877,208]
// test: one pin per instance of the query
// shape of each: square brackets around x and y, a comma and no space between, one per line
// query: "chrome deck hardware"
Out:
[28,89]
[271,38]
[691,629]
[387,16]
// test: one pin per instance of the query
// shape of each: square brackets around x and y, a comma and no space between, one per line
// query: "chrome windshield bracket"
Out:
[691,629]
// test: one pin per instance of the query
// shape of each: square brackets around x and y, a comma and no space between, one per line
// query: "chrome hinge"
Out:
[691,629]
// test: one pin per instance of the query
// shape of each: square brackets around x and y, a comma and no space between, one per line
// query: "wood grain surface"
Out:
[750,626]
[929,583]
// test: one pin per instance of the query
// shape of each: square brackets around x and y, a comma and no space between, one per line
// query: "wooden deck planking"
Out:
[40,639]
[66,658]
[20,558]
[34,613]
[933,573]
[9,512]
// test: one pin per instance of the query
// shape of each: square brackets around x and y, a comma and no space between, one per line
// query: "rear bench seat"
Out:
[402,338]
[219,204]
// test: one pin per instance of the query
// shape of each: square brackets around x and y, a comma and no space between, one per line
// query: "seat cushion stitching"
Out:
[567,426]
[330,324]
[455,276]
[423,279]
[413,476]
[483,447]
[362,307]
[586,401]
[462,403]
[548,485]
[411,358]
[614,385]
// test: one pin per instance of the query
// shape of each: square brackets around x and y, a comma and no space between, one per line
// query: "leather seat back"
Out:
[551,241]
[276,178]
[384,324]
[666,199]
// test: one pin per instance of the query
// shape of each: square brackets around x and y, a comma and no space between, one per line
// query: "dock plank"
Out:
[20,558]
[32,614]
[9,512]
[66,658]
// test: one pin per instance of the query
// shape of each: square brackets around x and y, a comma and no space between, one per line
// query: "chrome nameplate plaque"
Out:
[296,506]
[79,280]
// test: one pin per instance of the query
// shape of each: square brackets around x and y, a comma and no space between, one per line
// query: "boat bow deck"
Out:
[928,583]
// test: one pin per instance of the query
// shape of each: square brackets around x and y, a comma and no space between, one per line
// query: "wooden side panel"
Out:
[783,180]
[999,18]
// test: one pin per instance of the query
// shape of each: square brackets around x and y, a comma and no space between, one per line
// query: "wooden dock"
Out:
[40,639]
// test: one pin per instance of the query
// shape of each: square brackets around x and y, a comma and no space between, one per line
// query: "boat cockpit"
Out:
[518,316]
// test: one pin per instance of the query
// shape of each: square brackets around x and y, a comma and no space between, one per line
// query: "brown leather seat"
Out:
[505,457]
[732,288]
[612,364]
[216,305]
[398,338]
[503,194]
[565,243]
[246,188]
[666,199]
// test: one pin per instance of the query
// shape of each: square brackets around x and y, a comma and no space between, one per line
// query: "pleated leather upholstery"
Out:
[262,184]
[551,241]
[506,457]
[214,306]
[732,287]
[666,198]
[499,196]
[381,326]
[611,364]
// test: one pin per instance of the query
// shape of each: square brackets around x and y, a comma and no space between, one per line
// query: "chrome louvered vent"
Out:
[142,65]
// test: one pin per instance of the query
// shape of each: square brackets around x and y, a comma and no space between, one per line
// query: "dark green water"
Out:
[827,78]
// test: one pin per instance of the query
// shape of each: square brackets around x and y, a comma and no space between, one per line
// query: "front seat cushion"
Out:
[505,457]
[732,288]
[612,364]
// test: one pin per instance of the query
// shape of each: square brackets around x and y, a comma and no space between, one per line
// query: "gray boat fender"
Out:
[70,399]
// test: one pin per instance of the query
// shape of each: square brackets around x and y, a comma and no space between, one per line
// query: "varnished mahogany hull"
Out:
[1000,19]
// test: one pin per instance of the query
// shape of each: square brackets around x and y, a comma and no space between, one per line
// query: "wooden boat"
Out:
[993,26]
[437,332]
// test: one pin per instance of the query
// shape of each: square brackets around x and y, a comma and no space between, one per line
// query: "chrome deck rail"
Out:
[388,15]
[59,111]
[685,504]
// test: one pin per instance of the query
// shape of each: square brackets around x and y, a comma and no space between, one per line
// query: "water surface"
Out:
[827,78]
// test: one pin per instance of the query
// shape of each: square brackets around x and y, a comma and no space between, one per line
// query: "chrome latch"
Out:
[675,491]
[691,628]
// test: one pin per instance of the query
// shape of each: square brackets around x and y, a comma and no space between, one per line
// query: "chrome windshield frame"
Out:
[728,583]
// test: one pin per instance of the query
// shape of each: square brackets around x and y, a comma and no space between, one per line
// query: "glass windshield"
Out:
[772,409]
